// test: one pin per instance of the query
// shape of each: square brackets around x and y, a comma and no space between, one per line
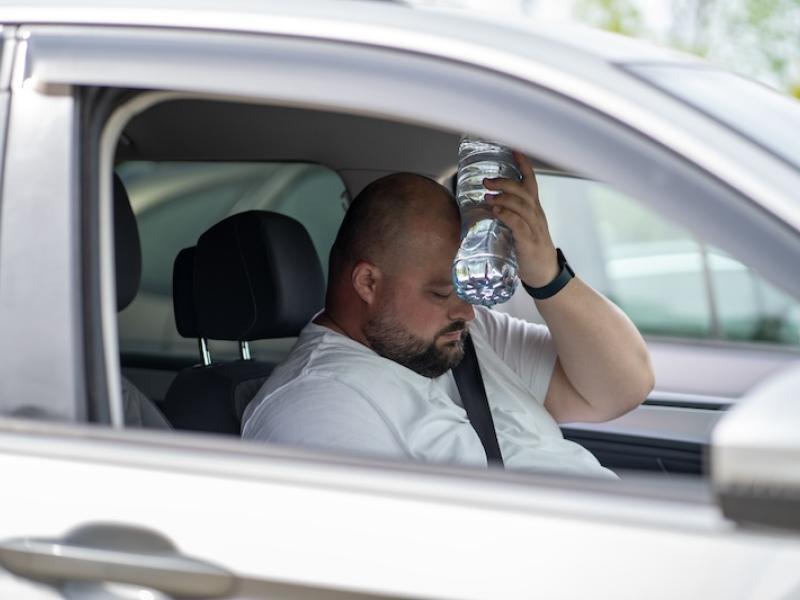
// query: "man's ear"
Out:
[365,279]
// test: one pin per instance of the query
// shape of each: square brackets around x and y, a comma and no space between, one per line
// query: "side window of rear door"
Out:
[175,202]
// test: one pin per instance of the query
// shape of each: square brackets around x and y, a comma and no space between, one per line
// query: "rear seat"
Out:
[139,411]
[253,276]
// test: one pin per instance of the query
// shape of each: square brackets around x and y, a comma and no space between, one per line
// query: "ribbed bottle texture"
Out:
[485,268]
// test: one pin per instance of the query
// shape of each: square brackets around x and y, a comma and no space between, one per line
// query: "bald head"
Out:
[389,220]
[390,284]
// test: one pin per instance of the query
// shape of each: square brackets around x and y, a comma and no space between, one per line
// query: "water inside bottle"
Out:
[485,268]
[478,160]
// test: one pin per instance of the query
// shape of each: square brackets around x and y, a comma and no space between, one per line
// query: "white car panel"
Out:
[297,525]
[327,526]
[513,50]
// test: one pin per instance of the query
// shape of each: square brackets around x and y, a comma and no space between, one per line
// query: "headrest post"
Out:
[244,350]
[205,355]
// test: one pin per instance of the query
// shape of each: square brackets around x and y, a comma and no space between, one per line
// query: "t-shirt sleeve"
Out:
[325,414]
[527,348]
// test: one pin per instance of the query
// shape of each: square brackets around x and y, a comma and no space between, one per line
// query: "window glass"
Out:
[654,268]
[749,308]
[176,202]
[667,281]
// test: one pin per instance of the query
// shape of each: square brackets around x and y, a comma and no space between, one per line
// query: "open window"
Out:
[175,202]
[618,244]
[248,126]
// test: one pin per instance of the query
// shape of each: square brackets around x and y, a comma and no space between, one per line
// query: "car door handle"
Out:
[109,553]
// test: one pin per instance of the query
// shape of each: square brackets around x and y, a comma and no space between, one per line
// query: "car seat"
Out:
[139,411]
[254,276]
[183,301]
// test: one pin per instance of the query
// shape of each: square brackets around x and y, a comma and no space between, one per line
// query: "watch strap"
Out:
[551,289]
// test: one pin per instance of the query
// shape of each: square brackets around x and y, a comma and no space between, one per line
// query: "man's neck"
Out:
[327,320]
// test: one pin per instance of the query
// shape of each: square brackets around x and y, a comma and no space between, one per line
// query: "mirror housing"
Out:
[755,454]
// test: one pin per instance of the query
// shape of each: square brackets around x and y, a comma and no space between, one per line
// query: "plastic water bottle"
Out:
[485,268]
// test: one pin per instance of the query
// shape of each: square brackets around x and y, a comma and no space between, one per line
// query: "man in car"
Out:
[371,374]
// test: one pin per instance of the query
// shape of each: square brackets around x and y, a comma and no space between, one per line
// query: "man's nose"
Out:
[460,310]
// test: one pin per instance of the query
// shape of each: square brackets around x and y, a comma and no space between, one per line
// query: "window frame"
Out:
[716,335]
[77,456]
[446,94]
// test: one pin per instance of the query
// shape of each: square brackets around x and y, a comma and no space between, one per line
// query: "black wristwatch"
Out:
[551,289]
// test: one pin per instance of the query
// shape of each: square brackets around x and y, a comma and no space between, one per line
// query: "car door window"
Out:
[670,282]
[749,308]
[175,202]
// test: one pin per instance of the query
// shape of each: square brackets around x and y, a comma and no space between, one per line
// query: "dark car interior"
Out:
[255,276]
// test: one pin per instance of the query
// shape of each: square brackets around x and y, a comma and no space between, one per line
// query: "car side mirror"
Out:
[755,454]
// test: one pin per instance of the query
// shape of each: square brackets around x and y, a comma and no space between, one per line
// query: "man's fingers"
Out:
[534,218]
[513,188]
[512,201]
[517,204]
[528,174]
[518,226]
[501,184]
[526,225]
[527,188]
[525,166]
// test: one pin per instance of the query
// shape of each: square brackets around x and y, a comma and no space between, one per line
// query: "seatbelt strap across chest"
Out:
[473,395]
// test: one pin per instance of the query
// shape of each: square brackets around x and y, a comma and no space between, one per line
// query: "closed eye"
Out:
[441,295]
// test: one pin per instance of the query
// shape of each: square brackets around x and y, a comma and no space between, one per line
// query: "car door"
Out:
[714,327]
[98,509]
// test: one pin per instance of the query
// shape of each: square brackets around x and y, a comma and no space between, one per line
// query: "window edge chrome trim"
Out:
[111,132]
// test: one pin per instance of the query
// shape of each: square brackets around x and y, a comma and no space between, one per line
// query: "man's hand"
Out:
[603,368]
[517,205]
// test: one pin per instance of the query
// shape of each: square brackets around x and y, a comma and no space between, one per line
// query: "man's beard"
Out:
[391,340]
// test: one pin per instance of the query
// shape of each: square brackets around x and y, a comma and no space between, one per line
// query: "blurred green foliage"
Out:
[619,16]
[758,38]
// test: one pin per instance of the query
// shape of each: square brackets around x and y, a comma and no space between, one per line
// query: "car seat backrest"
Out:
[139,411]
[127,249]
[257,276]
[182,290]
[254,275]
[183,301]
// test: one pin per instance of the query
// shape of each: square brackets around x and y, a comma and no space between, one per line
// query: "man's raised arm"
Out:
[603,368]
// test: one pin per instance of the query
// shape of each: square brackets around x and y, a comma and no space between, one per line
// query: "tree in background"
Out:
[758,38]
[619,16]
[771,28]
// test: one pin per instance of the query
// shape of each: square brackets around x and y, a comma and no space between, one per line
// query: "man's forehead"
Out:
[433,239]
[425,238]
[429,256]
[432,221]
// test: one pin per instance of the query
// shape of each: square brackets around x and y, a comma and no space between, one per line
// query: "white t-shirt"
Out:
[334,393]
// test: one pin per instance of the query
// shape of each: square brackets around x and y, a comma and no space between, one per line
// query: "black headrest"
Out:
[127,251]
[256,276]
[182,290]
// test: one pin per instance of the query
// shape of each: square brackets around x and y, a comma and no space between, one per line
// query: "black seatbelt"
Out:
[473,395]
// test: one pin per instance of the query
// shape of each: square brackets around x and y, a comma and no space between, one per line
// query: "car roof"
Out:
[369,21]
[575,56]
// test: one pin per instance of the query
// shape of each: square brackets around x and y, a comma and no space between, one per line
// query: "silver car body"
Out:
[94,511]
